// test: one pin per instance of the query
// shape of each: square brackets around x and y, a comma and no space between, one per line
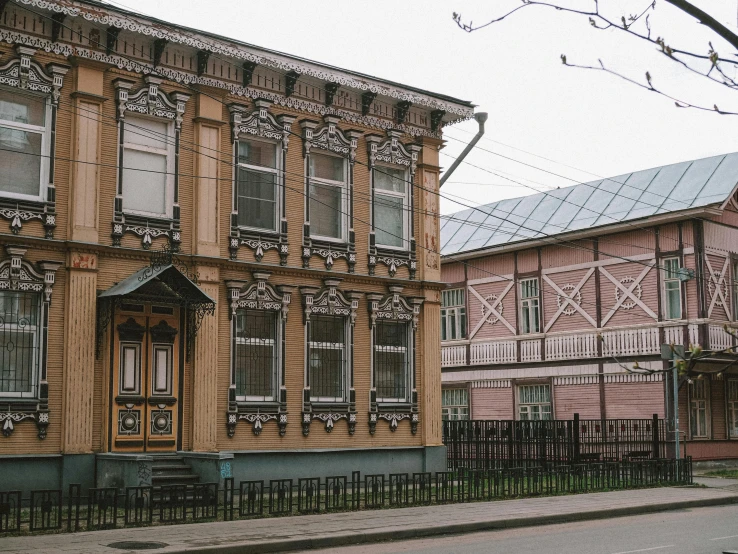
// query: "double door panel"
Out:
[145,379]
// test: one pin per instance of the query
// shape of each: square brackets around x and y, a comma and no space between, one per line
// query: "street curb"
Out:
[345,539]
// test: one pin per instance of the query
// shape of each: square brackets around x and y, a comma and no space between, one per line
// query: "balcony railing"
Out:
[620,341]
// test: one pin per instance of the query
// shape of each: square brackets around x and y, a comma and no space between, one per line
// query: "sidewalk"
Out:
[330,530]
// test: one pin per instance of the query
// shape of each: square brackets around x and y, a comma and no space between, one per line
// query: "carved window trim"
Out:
[329,300]
[148,101]
[26,74]
[393,153]
[259,295]
[402,309]
[17,274]
[262,125]
[328,138]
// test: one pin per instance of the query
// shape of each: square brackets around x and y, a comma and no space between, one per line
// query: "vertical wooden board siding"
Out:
[492,403]
[490,266]
[580,252]
[85,199]
[109,156]
[587,301]
[691,287]
[452,272]
[721,237]
[98,403]
[527,261]
[717,409]
[669,237]
[634,400]
[187,153]
[631,243]
[206,219]
[729,217]
[581,399]
[649,294]
[204,388]
[490,330]
[718,311]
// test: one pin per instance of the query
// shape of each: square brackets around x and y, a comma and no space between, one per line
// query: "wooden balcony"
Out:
[618,342]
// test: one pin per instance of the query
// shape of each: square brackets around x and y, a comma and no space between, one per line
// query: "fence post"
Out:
[655,436]
[575,438]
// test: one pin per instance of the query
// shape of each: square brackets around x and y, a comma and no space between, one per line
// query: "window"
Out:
[530,314]
[256,353]
[327,196]
[534,402]
[453,315]
[257,194]
[24,143]
[672,289]
[391,207]
[698,408]
[391,361]
[327,358]
[733,408]
[454,404]
[19,343]
[148,167]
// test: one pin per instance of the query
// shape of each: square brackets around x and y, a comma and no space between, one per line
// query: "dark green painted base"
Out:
[38,471]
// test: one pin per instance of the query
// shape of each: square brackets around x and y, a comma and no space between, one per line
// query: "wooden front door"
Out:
[145,379]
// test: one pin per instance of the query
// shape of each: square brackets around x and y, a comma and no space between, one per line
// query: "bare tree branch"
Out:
[707,20]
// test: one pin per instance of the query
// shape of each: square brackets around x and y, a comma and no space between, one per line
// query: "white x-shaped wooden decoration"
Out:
[718,282]
[627,293]
[492,309]
[568,300]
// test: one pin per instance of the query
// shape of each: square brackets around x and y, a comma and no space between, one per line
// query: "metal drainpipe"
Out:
[481,117]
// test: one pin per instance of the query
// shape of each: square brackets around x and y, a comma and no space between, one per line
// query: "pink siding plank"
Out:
[492,403]
[634,400]
[580,399]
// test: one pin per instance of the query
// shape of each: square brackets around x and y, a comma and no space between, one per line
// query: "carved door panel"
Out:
[145,379]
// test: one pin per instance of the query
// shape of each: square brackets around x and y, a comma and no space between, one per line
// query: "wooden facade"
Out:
[141,311]
[603,316]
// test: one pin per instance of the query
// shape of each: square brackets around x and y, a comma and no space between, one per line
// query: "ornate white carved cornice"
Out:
[24,73]
[329,137]
[259,295]
[392,151]
[260,123]
[394,307]
[330,301]
[150,100]
[17,274]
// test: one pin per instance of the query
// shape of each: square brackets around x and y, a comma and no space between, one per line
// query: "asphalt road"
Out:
[698,531]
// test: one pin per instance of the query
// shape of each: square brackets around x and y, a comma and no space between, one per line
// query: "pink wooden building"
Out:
[553,298]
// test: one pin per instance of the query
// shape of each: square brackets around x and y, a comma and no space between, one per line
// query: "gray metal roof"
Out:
[629,197]
[159,283]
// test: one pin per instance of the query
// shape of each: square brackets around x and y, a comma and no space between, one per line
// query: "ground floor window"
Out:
[327,358]
[733,408]
[534,402]
[256,355]
[19,343]
[455,404]
[391,361]
[698,408]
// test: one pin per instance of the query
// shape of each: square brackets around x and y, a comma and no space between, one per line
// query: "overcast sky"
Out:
[592,123]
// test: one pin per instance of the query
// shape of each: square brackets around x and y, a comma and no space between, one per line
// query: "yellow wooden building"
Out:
[210,249]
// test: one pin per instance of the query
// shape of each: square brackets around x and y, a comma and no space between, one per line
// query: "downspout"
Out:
[481,117]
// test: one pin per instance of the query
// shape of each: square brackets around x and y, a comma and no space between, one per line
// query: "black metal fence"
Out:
[106,508]
[493,444]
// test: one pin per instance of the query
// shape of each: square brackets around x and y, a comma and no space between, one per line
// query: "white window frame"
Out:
[671,278]
[343,186]
[732,400]
[408,362]
[169,152]
[278,171]
[345,366]
[405,208]
[276,359]
[533,305]
[526,405]
[698,403]
[453,307]
[45,132]
[37,351]
[155,348]
[456,410]
[136,347]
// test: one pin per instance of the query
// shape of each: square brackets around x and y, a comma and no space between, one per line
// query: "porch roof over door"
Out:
[164,283]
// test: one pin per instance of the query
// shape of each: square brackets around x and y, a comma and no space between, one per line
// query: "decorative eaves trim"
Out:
[158,31]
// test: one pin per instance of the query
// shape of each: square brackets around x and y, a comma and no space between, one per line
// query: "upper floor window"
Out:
[733,408]
[391,207]
[20,340]
[534,402]
[672,289]
[24,142]
[453,315]
[328,196]
[257,355]
[530,311]
[392,377]
[328,358]
[148,166]
[257,194]
[699,406]
[454,404]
